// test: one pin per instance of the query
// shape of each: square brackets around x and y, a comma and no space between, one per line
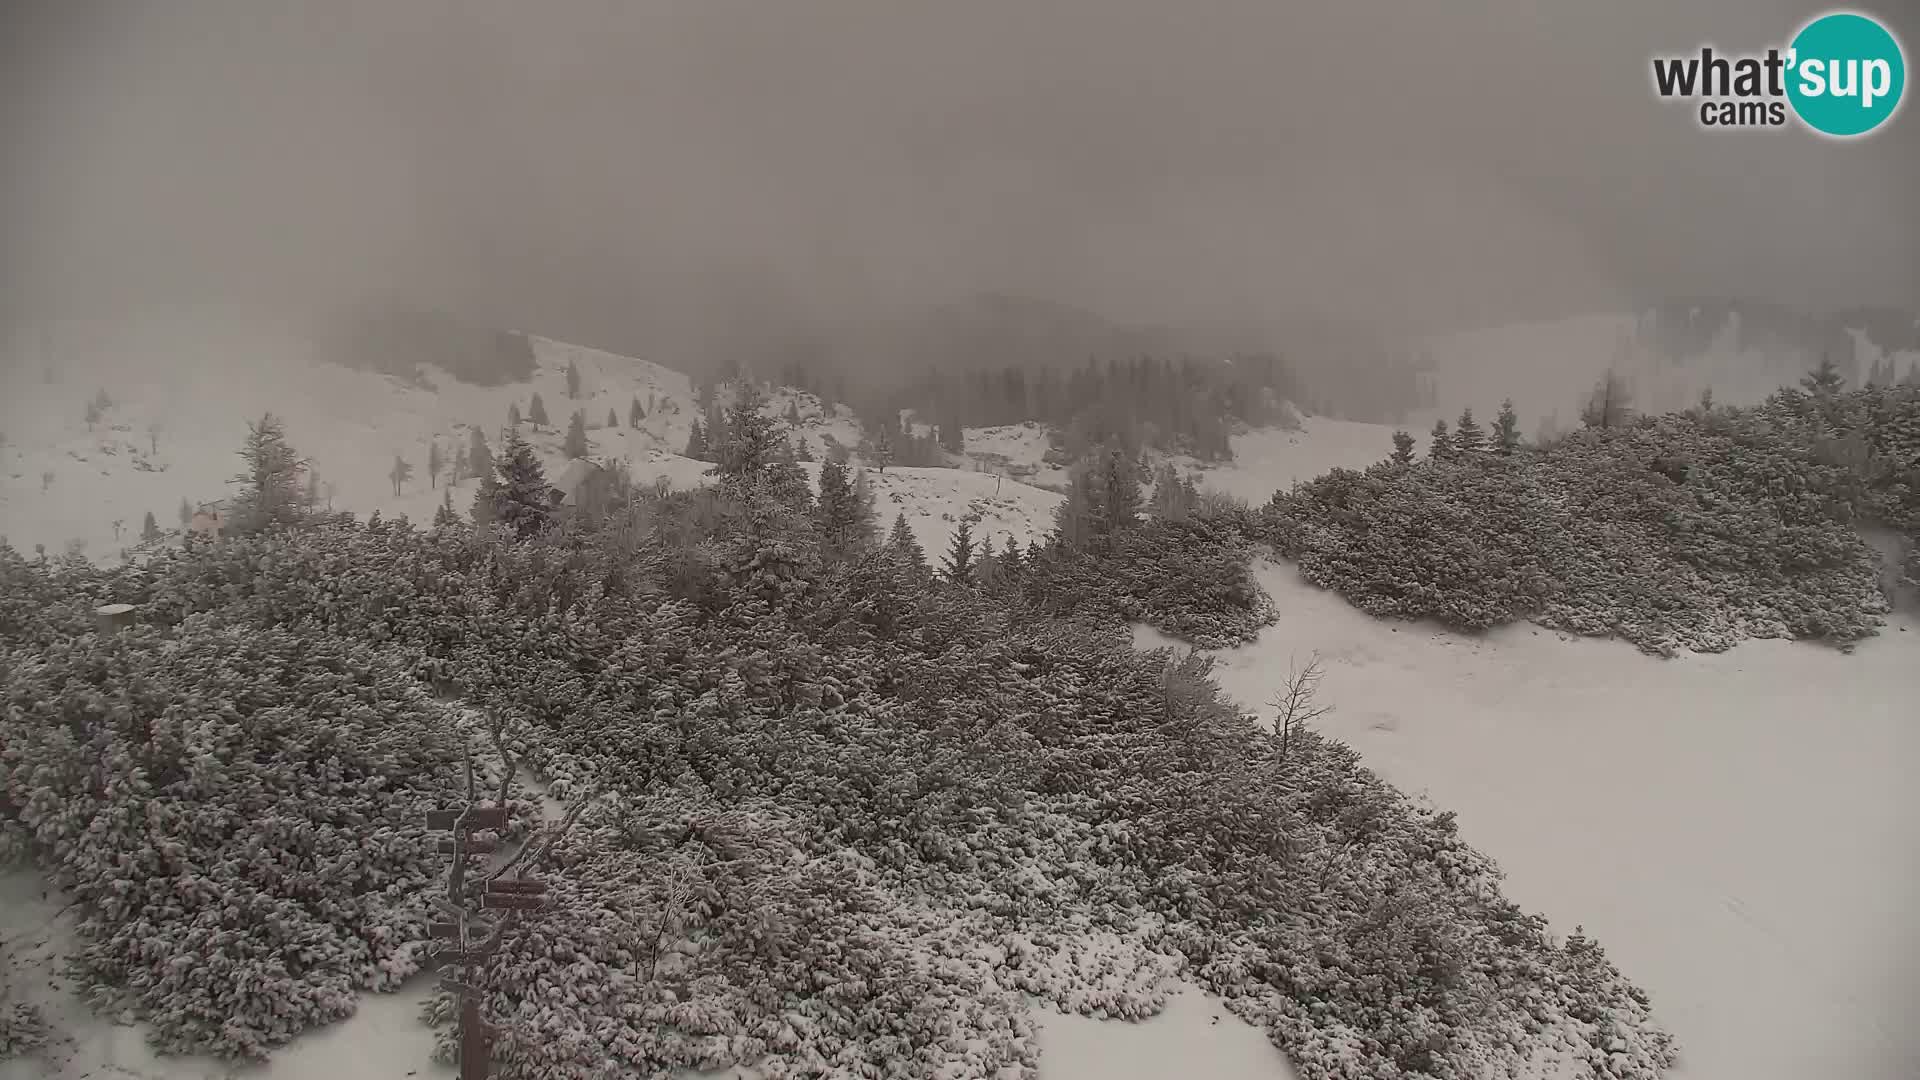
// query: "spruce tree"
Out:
[987,566]
[435,462]
[1169,499]
[881,452]
[905,547]
[518,497]
[149,529]
[866,522]
[802,450]
[401,472]
[575,445]
[485,498]
[460,466]
[634,414]
[444,515]
[958,565]
[1121,491]
[1076,520]
[1440,447]
[834,512]
[753,442]
[696,443]
[513,414]
[270,489]
[479,458]
[953,437]
[1824,380]
[1468,436]
[1506,429]
[537,411]
[613,419]
[573,383]
[1402,449]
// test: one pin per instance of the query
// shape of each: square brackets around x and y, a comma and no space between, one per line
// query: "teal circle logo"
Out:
[1847,74]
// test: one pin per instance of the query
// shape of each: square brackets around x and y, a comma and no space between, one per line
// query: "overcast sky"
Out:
[595,170]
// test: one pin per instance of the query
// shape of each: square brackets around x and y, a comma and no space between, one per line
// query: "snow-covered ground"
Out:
[1015,450]
[934,501]
[1271,459]
[184,389]
[1737,830]
[819,426]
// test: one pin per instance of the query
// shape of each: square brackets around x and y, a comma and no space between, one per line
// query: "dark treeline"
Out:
[398,341]
[1186,405]
[1183,405]
[1681,329]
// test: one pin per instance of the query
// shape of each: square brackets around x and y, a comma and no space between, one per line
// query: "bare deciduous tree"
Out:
[1295,707]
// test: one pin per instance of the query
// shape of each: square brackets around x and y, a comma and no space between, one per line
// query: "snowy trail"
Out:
[1737,830]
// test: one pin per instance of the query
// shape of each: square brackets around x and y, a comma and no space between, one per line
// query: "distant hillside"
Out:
[1343,369]
[402,342]
[180,389]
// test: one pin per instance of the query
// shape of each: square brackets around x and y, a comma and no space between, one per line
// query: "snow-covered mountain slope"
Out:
[1016,450]
[1266,460]
[935,500]
[1735,828]
[819,427]
[183,389]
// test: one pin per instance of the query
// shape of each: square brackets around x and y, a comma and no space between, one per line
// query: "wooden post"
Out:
[113,618]
[462,960]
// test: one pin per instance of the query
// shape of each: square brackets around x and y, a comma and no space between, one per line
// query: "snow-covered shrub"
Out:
[687,935]
[1684,531]
[1187,578]
[237,814]
[22,1028]
[851,819]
